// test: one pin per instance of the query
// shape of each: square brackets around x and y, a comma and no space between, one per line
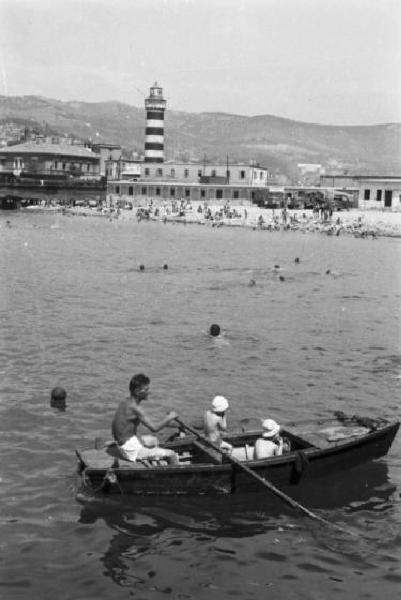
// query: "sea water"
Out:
[77,311]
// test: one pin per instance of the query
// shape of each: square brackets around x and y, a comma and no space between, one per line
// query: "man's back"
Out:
[124,424]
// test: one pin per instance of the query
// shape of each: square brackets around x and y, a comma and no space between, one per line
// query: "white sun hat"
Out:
[270,428]
[219,404]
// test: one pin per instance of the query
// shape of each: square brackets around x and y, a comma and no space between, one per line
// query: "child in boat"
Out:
[215,423]
[271,443]
[128,417]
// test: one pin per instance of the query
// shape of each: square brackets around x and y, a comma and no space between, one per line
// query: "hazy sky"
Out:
[326,61]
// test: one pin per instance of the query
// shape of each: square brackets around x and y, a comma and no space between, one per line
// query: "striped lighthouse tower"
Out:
[155,106]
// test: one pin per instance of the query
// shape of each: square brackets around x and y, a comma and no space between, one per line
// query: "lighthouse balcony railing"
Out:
[152,104]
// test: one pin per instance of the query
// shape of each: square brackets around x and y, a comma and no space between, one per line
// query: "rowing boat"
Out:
[322,449]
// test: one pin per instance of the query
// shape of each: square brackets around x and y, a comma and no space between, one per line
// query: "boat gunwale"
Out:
[310,453]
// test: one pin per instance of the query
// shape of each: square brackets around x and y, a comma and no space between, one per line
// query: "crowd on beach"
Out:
[368,224]
[321,219]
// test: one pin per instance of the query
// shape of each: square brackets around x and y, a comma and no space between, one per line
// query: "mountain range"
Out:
[277,143]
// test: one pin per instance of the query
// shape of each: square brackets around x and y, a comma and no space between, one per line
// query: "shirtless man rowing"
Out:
[129,415]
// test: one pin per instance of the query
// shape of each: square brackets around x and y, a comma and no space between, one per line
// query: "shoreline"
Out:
[355,222]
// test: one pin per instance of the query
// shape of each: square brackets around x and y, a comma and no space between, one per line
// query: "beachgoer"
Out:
[214,330]
[129,415]
[215,423]
[271,443]
[58,398]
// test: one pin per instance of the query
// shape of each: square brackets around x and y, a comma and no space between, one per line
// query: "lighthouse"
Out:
[155,106]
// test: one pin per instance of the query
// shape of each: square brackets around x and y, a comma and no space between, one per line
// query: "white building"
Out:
[379,192]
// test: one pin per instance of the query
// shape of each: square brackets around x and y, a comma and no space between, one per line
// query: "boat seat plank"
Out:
[96,459]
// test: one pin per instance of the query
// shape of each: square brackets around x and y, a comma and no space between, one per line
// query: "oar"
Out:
[262,480]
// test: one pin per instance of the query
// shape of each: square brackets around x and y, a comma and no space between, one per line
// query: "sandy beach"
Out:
[354,222]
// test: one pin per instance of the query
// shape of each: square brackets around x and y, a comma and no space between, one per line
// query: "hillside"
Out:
[277,143]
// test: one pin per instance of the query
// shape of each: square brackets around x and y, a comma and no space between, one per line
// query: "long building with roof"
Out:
[49,160]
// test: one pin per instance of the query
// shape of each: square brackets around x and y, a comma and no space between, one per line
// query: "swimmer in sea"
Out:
[58,398]
[217,335]
[214,330]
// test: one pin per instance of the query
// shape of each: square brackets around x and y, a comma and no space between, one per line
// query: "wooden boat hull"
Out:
[308,463]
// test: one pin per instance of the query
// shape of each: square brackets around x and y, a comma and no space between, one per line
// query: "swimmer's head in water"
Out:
[214,330]
[141,267]
[58,398]
[58,393]
[165,267]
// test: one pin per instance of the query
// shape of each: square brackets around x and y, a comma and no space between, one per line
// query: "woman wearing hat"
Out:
[215,423]
[271,443]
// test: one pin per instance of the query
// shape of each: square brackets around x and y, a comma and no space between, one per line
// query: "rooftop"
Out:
[47,148]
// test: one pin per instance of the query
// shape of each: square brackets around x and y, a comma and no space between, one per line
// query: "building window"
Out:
[157,191]
[172,191]
[366,195]
[147,172]
[261,175]
[131,190]
[253,195]
[235,194]
[242,174]
[379,195]
[186,172]
[143,191]
[219,194]
[187,193]
[203,193]
[117,189]
[172,172]
[159,172]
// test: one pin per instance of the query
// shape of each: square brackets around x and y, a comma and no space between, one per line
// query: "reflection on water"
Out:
[76,312]
[148,527]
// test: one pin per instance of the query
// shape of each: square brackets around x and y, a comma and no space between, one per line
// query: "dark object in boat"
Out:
[326,449]
[357,420]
